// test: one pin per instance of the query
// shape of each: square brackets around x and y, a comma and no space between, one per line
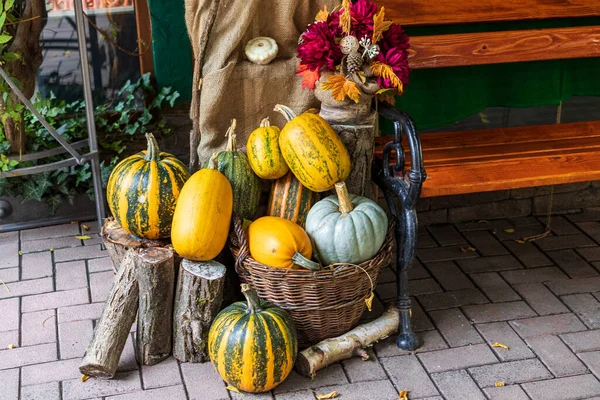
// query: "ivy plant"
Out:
[122,122]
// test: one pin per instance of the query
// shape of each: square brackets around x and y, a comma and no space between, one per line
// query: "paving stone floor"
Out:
[474,284]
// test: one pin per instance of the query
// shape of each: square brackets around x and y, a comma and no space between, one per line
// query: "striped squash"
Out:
[291,200]
[263,152]
[253,344]
[313,150]
[142,191]
[245,184]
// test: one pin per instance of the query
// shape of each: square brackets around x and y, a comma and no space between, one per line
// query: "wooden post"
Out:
[117,241]
[352,343]
[197,302]
[155,272]
[360,142]
[102,355]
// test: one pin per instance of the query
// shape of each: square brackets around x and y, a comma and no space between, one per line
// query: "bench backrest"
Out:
[479,48]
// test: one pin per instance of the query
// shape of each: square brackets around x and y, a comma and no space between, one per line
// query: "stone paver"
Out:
[540,299]
[570,388]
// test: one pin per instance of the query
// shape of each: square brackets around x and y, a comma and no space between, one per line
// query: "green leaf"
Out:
[4,38]
[11,56]
[31,191]
[2,19]
[54,202]
[8,4]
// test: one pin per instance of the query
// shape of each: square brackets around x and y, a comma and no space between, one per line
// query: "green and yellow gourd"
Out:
[313,150]
[245,184]
[142,191]
[263,152]
[253,344]
[290,199]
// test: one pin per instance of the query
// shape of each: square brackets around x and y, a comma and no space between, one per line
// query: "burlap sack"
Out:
[233,87]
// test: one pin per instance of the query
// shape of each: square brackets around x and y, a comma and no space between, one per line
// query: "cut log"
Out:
[360,142]
[155,272]
[354,342]
[117,241]
[102,355]
[197,302]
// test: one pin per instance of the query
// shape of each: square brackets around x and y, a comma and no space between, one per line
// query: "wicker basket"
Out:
[324,303]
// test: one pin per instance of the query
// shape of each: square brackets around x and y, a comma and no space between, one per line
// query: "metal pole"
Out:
[89,111]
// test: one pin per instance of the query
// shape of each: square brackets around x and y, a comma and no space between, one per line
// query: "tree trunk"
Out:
[354,342]
[103,353]
[25,43]
[118,241]
[155,273]
[197,302]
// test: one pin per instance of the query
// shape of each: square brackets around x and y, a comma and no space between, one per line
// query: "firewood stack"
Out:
[145,286]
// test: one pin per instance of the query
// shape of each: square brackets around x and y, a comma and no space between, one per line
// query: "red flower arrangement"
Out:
[354,45]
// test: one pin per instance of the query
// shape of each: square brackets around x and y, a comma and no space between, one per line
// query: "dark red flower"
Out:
[394,38]
[318,49]
[396,58]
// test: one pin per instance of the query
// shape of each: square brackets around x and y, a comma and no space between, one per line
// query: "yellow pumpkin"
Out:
[202,215]
[263,152]
[313,150]
[280,243]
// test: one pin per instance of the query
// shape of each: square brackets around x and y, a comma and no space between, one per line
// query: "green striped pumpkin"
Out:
[289,199]
[142,191]
[253,344]
[235,166]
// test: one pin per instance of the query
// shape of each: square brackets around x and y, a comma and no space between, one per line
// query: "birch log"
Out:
[155,272]
[102,355]
[354,342]
[197,302]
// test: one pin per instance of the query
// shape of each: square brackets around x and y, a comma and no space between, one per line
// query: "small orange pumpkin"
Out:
[280,243]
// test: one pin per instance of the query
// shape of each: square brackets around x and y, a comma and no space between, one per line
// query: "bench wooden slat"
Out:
[503,47]
[508,158]
[438,12]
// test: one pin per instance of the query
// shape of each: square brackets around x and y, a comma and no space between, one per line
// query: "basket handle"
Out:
[238,236]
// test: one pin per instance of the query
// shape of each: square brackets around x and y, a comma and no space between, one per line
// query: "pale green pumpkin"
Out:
[346,228]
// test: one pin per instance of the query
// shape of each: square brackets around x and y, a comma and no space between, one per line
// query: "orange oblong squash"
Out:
[202,215]
[280,243]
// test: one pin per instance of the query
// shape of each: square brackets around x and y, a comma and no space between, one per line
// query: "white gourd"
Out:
[346,228]
[261,50]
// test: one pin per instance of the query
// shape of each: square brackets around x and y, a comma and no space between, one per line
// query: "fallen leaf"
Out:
[403,395]
[483,221]
[380,25]
[234,389]
[520,241]
[20,253]
[83,237]
[499,384]
[51,249]
[331,395]
[84,378]
[467,249]
[509,230]
[74,222]
[10,346]
[502,346]
[85,227]
[309,78]
[5,286]
[369,301]
[341,87]
[322,15]
[386,72]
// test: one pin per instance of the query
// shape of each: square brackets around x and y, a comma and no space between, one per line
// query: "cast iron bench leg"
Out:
[407,189]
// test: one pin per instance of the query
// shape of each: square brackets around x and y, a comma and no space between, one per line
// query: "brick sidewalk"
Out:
[474,285]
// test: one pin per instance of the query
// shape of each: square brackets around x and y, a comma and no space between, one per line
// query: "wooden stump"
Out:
[197,302]
[352,343]
[117,241]
[155,272]
[360,142]
[102,355]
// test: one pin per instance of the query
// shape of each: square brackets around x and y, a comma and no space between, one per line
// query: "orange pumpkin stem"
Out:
[265,123]
[153,152]
[252,298]
[231,136]
[343,197]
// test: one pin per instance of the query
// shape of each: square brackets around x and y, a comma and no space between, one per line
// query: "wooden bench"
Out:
[481,160]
